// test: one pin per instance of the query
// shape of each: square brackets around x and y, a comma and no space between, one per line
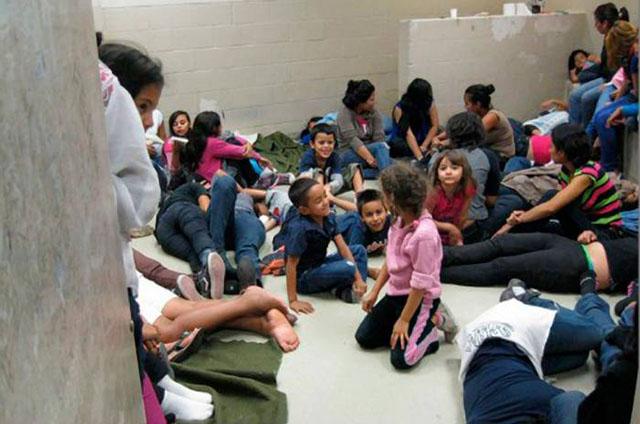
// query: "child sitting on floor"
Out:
[322,163]
[451,191]
[370,225]
[309,269]
[412,267]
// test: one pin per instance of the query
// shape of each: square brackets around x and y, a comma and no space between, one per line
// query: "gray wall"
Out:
[66,349]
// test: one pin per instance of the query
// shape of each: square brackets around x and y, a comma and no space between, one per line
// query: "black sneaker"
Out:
[231,287]
[246,273]
[347,295]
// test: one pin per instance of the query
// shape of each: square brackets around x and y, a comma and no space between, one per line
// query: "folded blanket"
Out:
[241,377]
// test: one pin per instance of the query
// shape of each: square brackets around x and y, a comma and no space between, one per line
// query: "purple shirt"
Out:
[414,254]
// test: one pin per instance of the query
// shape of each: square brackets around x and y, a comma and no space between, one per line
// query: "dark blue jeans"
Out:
[609,149]
[334,273]
[508,201]
[516,163]
[352,228]
[182,232]
[249,236]
[574,333]
[380,152]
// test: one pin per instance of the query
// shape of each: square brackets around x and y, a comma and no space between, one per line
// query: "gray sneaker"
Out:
[517,289]
[448,324]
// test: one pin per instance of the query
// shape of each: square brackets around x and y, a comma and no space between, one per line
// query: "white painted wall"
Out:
[271,64]
[524,57]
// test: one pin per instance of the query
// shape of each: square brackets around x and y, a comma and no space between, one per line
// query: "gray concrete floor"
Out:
[329,379]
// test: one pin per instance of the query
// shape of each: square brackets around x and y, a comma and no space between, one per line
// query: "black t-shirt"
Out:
[622,255]
[189,192]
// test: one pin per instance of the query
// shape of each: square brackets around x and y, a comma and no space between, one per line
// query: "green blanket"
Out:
[281,150]
[241,377]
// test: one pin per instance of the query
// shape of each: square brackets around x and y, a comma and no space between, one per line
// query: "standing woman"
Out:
[583,99]
[499,134]
[361,131]
[415,121]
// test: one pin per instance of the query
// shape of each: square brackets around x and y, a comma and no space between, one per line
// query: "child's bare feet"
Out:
[262,301]
[280,329]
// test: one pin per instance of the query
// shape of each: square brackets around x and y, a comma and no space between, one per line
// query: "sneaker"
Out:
[231,287]
[515,290]
[246,273]
[283,179]
[186,288]
[145,231]
[216,271]
[347,295]
[446,322]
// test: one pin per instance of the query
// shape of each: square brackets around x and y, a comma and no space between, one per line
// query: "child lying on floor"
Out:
[255,310]
[310,228]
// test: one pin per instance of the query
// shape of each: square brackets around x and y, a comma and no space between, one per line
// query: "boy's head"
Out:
[372,210]
[465,130]
[323,140]
[309,197]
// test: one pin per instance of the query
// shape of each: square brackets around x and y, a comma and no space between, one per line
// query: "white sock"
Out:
[174,387]
[185,409]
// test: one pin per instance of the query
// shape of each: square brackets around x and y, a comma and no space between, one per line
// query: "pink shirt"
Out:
[414,253]
[216,151]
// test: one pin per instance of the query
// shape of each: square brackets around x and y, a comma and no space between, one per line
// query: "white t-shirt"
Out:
[524,325]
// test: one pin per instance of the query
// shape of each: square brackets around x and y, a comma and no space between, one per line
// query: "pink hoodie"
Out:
[216,151]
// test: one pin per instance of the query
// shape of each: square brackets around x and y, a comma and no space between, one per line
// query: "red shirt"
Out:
[449,209]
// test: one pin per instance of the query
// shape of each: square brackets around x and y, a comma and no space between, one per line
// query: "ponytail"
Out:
[480,93]
[207,124]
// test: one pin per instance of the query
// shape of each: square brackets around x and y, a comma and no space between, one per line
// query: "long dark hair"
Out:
[207,124]
[608,12]
[465,131]
[134,69]
[416,104]
[572,58]
[456,157]
[357,92]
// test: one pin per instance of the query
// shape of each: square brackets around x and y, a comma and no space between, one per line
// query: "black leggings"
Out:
[544,261]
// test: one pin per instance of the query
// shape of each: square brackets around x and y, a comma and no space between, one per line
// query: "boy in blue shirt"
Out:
[323,164]
[309,269]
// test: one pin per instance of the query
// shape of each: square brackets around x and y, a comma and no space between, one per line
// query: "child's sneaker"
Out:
[186,288]
[246,273]
[347,295]
[446,323]
[283,179]
[517,289]
[211,277]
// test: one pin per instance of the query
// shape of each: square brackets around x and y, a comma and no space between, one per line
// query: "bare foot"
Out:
[263,301]
[280,329]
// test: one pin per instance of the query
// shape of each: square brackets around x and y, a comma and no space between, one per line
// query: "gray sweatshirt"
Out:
[352,134]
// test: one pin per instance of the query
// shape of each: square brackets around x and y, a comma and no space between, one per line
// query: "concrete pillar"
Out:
[66,351]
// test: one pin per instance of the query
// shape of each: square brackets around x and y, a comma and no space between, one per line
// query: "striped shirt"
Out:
[600,201]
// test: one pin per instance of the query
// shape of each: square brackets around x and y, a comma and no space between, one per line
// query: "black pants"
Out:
[183,232]
[544,261]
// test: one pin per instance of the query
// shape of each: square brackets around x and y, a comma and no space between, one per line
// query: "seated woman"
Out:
[477,99]
[205,152]
[545,261]
[621,42]
[588,199]
[255,310]
[361,131]
[179,128]
[415,121]
[507,351]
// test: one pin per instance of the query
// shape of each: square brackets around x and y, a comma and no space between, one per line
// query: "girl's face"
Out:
[370,104]
[180,126]
[580,60]
[557,156]
[470,106]
[601,26]
[146,101]
[449,174]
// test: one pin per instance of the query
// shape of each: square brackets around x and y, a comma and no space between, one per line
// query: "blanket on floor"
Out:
[281,150]
[241,377]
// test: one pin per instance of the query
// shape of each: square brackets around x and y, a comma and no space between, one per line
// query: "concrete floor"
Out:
[330,379]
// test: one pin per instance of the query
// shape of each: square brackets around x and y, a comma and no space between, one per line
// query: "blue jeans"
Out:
[508,201]
[352,228]
[380,152]
[574,333]
[582,101]
[334,273]
[249,236]
[608,138]
[516,163]
[563,409]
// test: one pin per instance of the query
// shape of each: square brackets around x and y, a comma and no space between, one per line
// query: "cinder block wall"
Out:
[524,57]
[271,64]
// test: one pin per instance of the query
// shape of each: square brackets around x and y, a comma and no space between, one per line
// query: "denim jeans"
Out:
[352,228]
[574,333]
[380,152]
[508,201]
[249,236]
[582,101]
[563,409]
[516,163]
[608,137]
[334,273]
